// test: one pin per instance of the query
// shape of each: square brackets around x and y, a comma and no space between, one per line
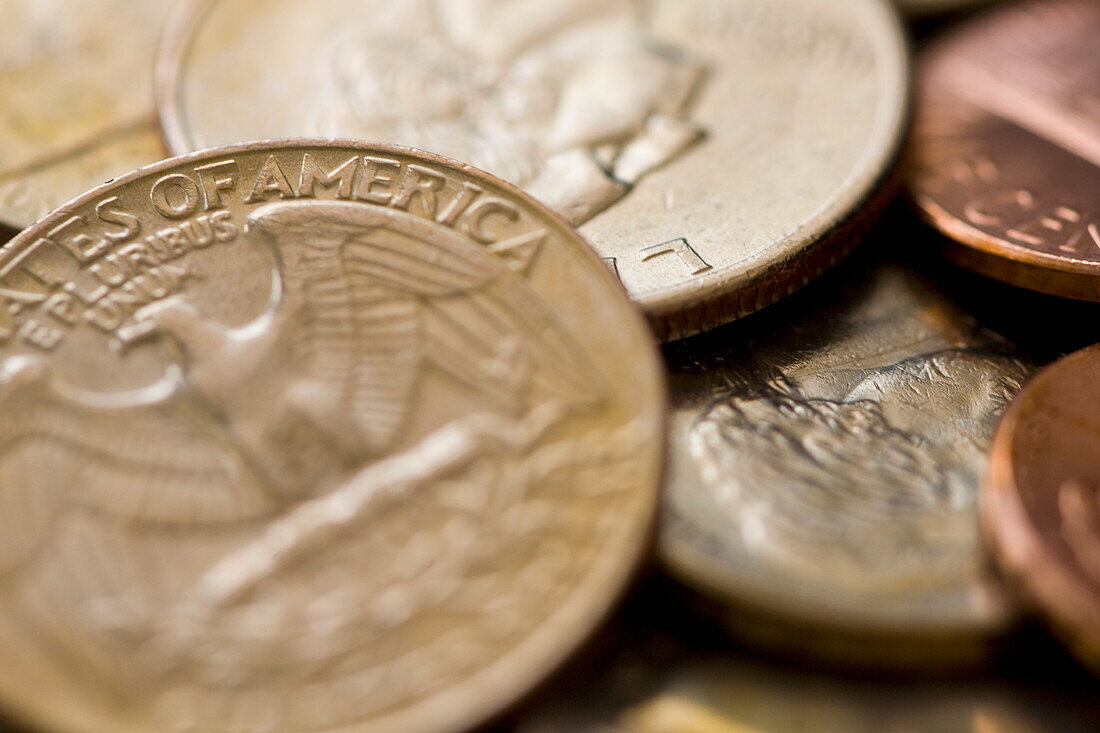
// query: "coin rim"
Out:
[735,290]
[574,621]
[967,245]
[1015,544]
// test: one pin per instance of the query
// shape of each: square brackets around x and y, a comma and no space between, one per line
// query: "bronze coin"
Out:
[1006,155]
[1041,506]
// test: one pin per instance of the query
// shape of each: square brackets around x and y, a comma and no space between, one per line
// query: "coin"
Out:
[1041,505]
[712,149]
[76,82]
[1007,146]
[668,671]
[824,466]
[316,436]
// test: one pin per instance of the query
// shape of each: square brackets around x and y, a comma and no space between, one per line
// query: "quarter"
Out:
[715,152]
[824,468]
[76,80]
[314,436]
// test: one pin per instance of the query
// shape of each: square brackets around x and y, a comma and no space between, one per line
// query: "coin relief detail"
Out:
[397,457]
[705,146]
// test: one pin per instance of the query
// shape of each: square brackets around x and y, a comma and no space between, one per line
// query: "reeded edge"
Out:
[690,307]
[573,620]
[1016,546]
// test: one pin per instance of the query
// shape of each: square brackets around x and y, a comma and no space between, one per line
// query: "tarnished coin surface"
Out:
[306,436]
[1041,507]
[825,460]
[1006,150]
[77,85]
[712,149]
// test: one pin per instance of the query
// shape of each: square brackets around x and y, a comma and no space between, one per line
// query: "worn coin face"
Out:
[712,149]
[311,436]
[1007,145]
[825,460]
[1041,507]
[76,82]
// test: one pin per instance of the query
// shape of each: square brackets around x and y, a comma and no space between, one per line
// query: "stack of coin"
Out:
[353,417]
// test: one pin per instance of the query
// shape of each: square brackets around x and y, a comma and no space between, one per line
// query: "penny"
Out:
[714,152]
[825,461]
[78,100]
[1007,146]
[311,435]
[1041,505]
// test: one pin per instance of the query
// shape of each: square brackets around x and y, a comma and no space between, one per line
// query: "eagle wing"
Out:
[63,449]
[380,292]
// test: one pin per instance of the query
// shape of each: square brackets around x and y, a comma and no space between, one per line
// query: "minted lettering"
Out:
[271,181]
[312,174]
[376,173]
[422,182]
[110,214]
[473,224]
[681,249]
[214,179]
[82,246]
[458,205]
[175,196]
[990,211]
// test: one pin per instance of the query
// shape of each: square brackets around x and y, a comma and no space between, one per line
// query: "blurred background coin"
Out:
[76,80]
[1006,155]
[1041,508]
[374,450]
[824,467]
[716,152]
[666,670]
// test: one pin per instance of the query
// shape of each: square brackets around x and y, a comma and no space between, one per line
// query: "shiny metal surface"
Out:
[1006,151]
[711,149]
[311,436]
[825,459]
[76,80]
[1041,502]
[669,671]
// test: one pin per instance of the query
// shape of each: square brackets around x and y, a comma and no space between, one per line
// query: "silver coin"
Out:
[76,81]
[825,460]
[710,148]
[680,678]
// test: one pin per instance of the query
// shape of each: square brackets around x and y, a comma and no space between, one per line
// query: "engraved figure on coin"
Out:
[573,100]
[854,448]
[285,435]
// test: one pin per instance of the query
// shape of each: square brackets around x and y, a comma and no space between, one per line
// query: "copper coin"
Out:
[371,451]
[1041,506]
[1006,156]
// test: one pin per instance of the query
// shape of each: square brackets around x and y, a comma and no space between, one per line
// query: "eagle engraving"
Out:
[391,352]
